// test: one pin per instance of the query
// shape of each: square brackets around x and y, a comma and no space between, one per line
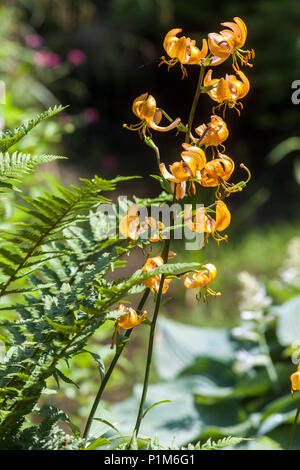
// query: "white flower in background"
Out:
[245,361]
[253,297]
[245,334]
[290,272]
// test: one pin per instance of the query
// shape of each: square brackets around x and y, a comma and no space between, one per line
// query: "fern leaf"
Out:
[13,167]
[9,138]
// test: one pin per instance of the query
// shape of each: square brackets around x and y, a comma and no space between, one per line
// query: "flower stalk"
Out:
[119,350]
[195,103]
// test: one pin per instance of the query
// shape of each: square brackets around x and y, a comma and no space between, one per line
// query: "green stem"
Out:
[165,254]
[148,141]
[119,349]
[270,366]
[293,429]
[195,103]
[150,345]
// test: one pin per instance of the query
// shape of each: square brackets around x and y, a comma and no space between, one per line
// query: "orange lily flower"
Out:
[182,50]
[194,160]
[128,320]
[131,227]
[212,134]
[229,42]
[216,171]
[202,278]
[202,222]
[295,379]
[154,281]
[144,107]
[228,90]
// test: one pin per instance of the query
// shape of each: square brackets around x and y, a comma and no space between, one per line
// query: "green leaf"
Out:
[155,404]
[65,378]
[289,145]
[99,442]
[102,424]
[9,138]
[225,442]
[67,329]
[297,170]
[100,363]
[104,421]
[206,89]
[180,345]
[288,324]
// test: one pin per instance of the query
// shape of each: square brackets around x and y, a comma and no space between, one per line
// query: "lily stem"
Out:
[119,350]
[150,346]
[195,103]
[165,254]
[293,429]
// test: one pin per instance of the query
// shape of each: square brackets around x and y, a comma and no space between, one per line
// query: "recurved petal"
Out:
[180,49]
[223,216]
[219,46]
[180,190]
[211,271]
[130,227]
[179,172]
[246,84]
[138,102]
[240,30]
[196,54]
[190,283]
[170,38]
[166,174]
[204,49]
[214,60]
[207,78]
[157,117]
[171,126]
[147,109]
[243,30]
[194,157]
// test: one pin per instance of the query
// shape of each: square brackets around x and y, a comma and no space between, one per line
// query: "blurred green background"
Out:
[97,57]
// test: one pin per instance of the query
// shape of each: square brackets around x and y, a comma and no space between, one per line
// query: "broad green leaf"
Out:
[288,324]
[179,345]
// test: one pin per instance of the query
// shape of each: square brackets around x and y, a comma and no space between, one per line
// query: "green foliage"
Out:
[52,280]
[14,167]
[9,138]
[213,394]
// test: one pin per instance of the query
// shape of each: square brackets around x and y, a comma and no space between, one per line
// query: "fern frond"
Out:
[9,138]
[208,445]
[13,167]
[219,444]
[52,215]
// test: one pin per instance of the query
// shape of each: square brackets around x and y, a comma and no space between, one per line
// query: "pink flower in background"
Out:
[76,56]
[91,115]
[110,163]
[34,41]
[46,59]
